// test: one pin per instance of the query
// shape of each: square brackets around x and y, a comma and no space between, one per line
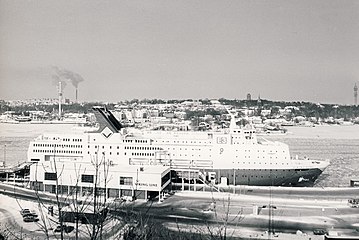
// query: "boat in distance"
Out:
[233,156]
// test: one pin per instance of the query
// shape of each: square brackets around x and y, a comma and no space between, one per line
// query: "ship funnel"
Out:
[106,119]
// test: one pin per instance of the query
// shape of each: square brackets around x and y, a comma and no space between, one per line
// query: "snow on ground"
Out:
[14,206]
[309,203]
[244,232]
[12,219]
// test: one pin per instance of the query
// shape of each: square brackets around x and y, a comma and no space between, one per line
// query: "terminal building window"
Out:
[50,176]
[87,178]
[126,181]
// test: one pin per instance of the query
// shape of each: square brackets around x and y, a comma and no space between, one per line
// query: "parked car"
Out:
[65,228]
[25,211]
[30,218]
[29,213]
[33,213]
[320,231]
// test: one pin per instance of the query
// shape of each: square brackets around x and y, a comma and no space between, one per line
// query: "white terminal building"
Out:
[80,162]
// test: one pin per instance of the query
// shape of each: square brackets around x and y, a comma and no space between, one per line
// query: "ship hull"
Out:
[255,177]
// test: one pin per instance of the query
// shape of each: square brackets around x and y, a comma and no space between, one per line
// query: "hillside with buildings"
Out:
[186,114]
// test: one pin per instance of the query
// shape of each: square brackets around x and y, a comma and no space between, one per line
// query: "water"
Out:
[339,144]
[15,139]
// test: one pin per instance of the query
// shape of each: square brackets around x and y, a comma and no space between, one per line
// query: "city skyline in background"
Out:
[122,50]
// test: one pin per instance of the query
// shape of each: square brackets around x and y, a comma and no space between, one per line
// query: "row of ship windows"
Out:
[57,151]
[132,148]
[264,163]
[259,151]
[74,139]
[136,141]
[103,147]
[56,145]
[193,149]
[243,143]
[148,148]
[188,142]
[260,176]
[143,154]
[104,153]
[246,137]
[143,148]
[248,132]
[200,142]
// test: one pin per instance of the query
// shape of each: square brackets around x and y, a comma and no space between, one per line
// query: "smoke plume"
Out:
[64,75]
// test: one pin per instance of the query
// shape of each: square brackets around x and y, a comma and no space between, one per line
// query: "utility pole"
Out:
[355,95]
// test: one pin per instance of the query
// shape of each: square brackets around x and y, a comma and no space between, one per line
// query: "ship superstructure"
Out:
[233,156]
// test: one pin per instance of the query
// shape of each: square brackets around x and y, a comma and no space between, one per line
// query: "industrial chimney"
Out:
[355,94]
[76,94]
[60,98]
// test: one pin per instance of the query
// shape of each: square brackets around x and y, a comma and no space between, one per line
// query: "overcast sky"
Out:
[301,50]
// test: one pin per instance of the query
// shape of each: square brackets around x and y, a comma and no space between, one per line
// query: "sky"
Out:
[305,50]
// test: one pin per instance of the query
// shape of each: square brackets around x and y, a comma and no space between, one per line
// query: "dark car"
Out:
[30,218]
[25,211]
[320,231]
[65,228]
[28,213]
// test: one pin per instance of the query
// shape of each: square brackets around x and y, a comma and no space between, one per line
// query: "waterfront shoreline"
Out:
[339,144]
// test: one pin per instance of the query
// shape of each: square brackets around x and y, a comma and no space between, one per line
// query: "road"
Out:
[295,209]
[292,209]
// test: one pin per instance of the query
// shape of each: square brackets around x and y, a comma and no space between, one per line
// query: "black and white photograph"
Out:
[181,120]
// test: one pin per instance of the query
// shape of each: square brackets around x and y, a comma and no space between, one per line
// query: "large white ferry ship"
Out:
[233,156]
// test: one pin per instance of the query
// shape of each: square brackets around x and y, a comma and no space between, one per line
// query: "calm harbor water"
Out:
[15,138]
[338,144]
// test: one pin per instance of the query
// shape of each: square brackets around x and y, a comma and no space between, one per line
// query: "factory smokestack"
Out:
[65,76]
[355,95]
[60,98]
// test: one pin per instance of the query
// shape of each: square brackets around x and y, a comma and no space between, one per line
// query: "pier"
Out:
[15,173]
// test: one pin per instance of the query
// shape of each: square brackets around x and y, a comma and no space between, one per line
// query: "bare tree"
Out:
[59,204]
